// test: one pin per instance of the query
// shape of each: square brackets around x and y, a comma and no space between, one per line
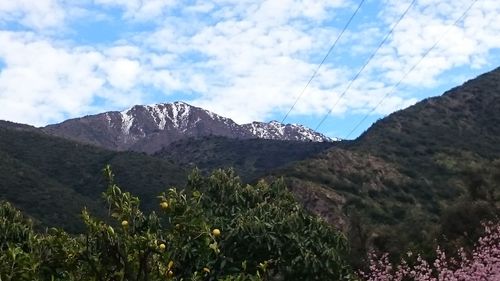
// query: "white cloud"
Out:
[121,73]
[37,14]
[44,82]
[253,60]
[467,43]
[254,57]
[140,9]
[245,59]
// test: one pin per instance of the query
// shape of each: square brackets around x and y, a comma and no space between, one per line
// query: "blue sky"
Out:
[243,59]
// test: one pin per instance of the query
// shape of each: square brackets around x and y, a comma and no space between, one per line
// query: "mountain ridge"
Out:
[52,178]
[149,128]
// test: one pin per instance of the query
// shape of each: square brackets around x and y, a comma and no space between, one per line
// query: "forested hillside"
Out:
[251,158]
[430,170]
[52,179]
[50,171]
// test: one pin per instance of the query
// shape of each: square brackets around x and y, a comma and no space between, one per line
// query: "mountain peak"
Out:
[176,114]
[148,128]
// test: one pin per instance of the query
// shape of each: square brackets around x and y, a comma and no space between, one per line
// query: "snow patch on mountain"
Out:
[108,118]
[177,115]
[180,114]
[127,121]
[278,131]
[159,114]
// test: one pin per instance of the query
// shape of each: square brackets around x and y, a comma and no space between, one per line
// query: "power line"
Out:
[323,61]
[366,63]
[411,69]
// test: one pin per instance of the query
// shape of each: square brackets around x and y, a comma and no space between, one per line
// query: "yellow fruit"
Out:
[162,247]
[170,265]
[164,205]
[216,232]
[124,223]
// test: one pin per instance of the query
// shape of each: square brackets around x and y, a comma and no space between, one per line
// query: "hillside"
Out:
[251,158]
[432,169]
[52,179]
[465,118]
[40,174]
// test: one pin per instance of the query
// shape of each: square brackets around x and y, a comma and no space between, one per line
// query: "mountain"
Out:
[420,174]
[430,170]
[149,128]
[53,179]
[146,128]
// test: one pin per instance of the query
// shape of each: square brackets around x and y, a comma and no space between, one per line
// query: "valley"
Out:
[422,176]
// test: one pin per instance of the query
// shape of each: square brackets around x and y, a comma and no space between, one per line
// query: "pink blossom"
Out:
[482,264]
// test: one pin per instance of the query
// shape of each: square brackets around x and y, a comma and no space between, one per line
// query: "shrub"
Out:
[483,263]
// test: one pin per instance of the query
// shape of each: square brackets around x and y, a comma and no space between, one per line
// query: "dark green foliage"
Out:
[274,228]
[52,179]
[14,228]
[250,158]
[263,234]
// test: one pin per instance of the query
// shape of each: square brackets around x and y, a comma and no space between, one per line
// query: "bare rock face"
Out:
[148,128]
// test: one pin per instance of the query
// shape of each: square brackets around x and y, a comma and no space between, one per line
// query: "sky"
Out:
[248,60]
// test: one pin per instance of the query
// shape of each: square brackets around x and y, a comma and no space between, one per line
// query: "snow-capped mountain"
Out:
[148,128]
[279,131]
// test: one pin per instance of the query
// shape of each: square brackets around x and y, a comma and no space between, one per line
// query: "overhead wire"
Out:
[411,69]
[355,77]
[323,61]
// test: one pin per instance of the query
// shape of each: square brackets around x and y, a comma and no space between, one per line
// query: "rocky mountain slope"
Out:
[149,128]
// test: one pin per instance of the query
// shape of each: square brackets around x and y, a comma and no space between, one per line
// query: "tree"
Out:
[214,229]
[483,263]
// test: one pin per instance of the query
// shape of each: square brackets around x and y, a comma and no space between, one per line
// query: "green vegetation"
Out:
[51,179]
[250,158]
[214,229]
[51,171]
[423,175]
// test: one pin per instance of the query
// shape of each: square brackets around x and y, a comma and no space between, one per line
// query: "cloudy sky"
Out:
[243,59]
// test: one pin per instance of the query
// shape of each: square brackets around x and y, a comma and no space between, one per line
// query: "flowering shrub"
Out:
[482,264]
